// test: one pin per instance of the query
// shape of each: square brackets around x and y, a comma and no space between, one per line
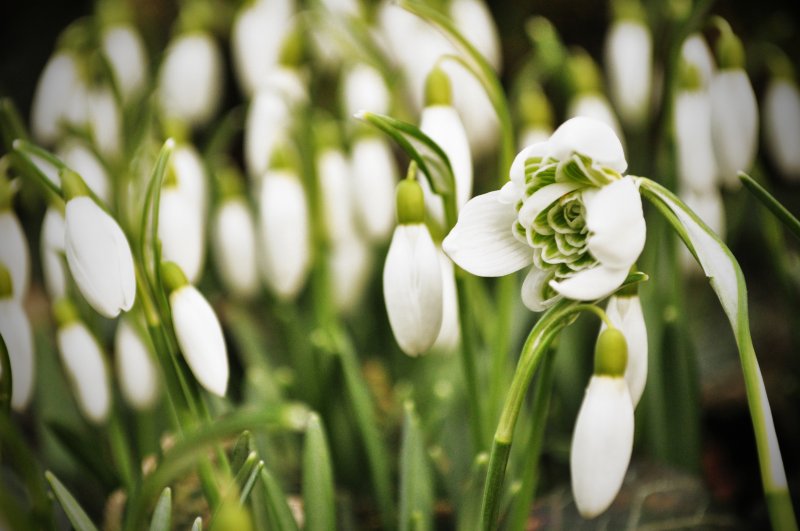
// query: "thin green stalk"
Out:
[774,206]
[121,451]
[469,365]
[501,338]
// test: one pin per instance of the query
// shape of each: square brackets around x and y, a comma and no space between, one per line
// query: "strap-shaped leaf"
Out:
[278,509]
[317,478]
[6,378]
[75,513]
[255,472]
[162,515]
[416,487]
[774,206]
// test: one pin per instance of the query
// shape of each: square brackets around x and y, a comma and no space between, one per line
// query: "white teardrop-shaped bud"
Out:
[734,124]
[83,161]
[350,264]
[628,56]
[234,240]
[782,126]
[77,112]
[596,106]
[474,20]
[181,232]
[53,95]
[190,78]
[85,365]
[136,369]
[104,121]
[99,257]
[475,109]
[412,288]
[284,233]
[335,183]
[375,176]
[200,338]
[14,253]
[626,314]
[695,52]
[601,444]
[15,329]
[697,166]
[266,123]
[53,250]
[364,88]
[450,332]
[127,56]
[190,174]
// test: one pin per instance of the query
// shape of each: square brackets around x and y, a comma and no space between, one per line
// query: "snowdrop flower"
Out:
[14,249]
[335,187]
[628,58]
[374,178]
[123,47]
[412,276]
[234,239]
[16,332]
[450,332]
[266,123]
[57,85]
[136,370]
[474,20]
[98,254]
[284,233]
[588,99]
[734,112]
[53,251]
[85,163]
[597,107]
[350,264]
[84,363]
[625,313]
[603,438]
[697,166]
[190,176]
[104,121]
[782,125]
[181,231]
[695,52]
[567,210]
[198,331]
[363,87]
[190,78]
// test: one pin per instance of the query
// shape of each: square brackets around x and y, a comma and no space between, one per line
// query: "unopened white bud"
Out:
[105,121]
[15,329]
[83,161]
[14,253]
[266,122]
[628,55]
[85,365]
[136,369]
[54,91]
[181,232]
[375,176]
[127,56]
[234,239]
[625,313]
[53,250]
[364,88]
[782,126]
[734,124]
[697,166]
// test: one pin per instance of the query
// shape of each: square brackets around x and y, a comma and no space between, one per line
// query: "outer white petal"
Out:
[200,338]
[284,233]
[626,314]
[616,224]
[591,284]
[52,251]
[442,124]
[628,57]
[104,121]
[596,106]
[335,179]
[517,171]
[697,166]
[364,88]
[734,124]
[350,263]
[190,79]
[82,160]
[532,290]
[543,198]
[601,444]
[15,329]
[136,370]
[450,332]
[181,232]
[234,239]
[14,253]
[695,51]
[86,370]
[412,288]
[52,96]
[375,177]
[782,126]
[589,137]
[267,118]
[482,242]
[474,20]
[99,257]
[126,53]
[191,176]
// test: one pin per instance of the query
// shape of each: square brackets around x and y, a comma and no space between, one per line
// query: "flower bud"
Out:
[375,176]
[123,47]
[52,251]
[450,331]
[410,202]
[234,239]
[181,232]
[625,313]
[734,124]
[782,125]
[55,89]
[85,163]
[265,125]
[697,166]
[16,332]
[136,369]
[335,186]
[104,121]
[14,253]
[363,87]
[350,263]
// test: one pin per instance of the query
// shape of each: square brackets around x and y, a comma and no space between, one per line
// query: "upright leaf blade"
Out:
[277,507]
[416,486]
[75,513]
[162,515]
[318,492]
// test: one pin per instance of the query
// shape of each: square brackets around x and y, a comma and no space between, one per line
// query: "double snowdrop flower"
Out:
[567,210]
[17,334]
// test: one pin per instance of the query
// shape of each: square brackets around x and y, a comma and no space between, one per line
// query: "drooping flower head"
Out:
[567,210]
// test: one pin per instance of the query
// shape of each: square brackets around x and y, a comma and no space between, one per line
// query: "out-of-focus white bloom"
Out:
[709,207]
[126,53]
[474,20]
[374,178]
[364,88]
[734,124]
[99,257]
[136,370]
[350,263]
[53,250]
[289,82]
[234,238]
[86,370]
[48,169]
[190,175]
[782,126]
[266,123]
[190,78]
[534,135]
[697,167]
[628,56]
[54,92]
[181,232]
[83,161]
[595,106]
[342,7]
[15,329]
[625,313]
[335,184]
[104,121]
[450,331]
[695,52]
[601,444]
[14,253]
[284,233]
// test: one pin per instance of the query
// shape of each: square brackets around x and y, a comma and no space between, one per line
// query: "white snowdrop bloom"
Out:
[289,82]
[782,126]
[709,207]
[104,121]
[234,240]
[534,135]
[695,52]
[350,265]
[198,331]
[123,47]
[697,166]
[257,35]
[52,97]
[49,170]
[190,78]
[450,331]
[342,7]
[596,106]
[99,257]
[85,163]
[136,369]
[52,251]
[567,210]
[85,365]
[181,232]
[335,186]
[15,329]
[474,20]
[284,233]
[625,313]
[472,103]
[190,174]
[266,122]
[628,58]
[734,124]
[14,253]
[374,178]
[77,112]
[601,444]
[363,87]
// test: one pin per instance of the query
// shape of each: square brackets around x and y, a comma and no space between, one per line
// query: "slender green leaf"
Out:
[247,488]
[318,491]
[774,206]
[244,472]
[277,507]
[11,123]
[241,451]
[75,513]
[162,515]
[469,504]
[6,378]
[416,485]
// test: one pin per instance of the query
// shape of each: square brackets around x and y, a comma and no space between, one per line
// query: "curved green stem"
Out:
[774,206]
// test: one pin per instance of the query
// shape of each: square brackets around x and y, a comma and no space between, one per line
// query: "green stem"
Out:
[774,206]
[121,450]
[469,365]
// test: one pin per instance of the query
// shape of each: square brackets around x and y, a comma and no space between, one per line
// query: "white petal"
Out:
[191,176]
[616,223]
[482,241]
[517,171]
[136,369]
[127,56]
[266,122]
[450,332]
[412,288]
[85,365]
[628,57]
[234,238]
[16,331]
[350,263]
[181,233]
[695,51]
[200,338]
[443,125]
[375,176]
[52,252]
[543,198]
[335,187]
[591,138]
[697,166]
[14,253]
[591,284]
[601,444]
[52,96]
[104,121]
[626,314]
[509,194]
[364,88]
[474,20]
[474,107]
[734,124]
[84,162]
[597,107]
[782,126]
[99,257]
[532,287]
